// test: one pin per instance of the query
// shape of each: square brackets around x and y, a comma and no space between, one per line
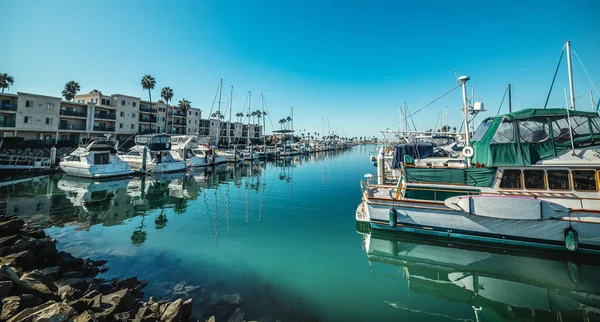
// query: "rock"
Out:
[55,312]
[233,299]
[24,259]
[25,313]
[237,316]
[35,233]
[45,250]
[14,304]
[87,316]
[122,317]
[68,292]
[9,240]
[37,284]
[99,262]
[117,302]
[211,319]
[6,287]
[21,244]
[173,312]
[186,310]
[53,272]
[78,283]
[67,262]
[11,227]
[81,305]
[73,274]
[8,274]
[130,283]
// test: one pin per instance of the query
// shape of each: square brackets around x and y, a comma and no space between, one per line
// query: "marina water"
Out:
[283,235]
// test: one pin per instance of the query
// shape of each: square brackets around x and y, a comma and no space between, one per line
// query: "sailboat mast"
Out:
[262,102]
[570,68]
[248,132]
[463,80]
[219,112]
[230,108]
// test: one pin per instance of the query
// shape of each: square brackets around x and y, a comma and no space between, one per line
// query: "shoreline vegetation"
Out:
[40,283]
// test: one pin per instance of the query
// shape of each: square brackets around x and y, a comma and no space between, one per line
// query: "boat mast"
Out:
[262,102]
[248,132]
[592,100]
[219,112]
[463,80]
[509,99]
[570,68]
[229,125]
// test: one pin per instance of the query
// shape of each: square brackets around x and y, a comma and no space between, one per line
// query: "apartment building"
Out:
[95,115]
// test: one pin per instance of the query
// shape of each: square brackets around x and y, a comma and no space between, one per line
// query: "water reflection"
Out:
[499,284]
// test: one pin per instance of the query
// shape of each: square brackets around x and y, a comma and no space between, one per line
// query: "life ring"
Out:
[468,151]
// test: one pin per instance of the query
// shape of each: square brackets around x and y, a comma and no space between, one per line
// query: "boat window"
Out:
[505,133]
[134,153]
[534,179]
[560,130]
[481,130]
[584,180]
[558,180]
[580,126]
[511,179]
[101,158]
[595,125]
[533,131]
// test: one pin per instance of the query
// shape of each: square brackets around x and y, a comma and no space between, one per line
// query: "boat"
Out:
[99,159]
[187,148]
[152,153]
[543,162]
[498,283]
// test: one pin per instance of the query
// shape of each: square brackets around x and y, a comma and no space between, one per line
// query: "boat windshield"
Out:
[483,127]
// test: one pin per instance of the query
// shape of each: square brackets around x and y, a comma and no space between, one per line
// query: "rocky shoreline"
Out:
[40,283]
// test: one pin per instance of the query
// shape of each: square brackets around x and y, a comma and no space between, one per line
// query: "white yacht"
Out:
[187,148]
[152,153]
[249,154]
[99,159]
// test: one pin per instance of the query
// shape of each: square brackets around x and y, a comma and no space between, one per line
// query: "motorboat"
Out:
[99,159]
[187,148]
[152,153]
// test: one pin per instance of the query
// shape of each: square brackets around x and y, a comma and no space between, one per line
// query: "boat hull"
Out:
[96,171]
[439,220]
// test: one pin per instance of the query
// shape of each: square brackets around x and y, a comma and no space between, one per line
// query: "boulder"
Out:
[117,302]
[39,285]
[68,292]
[122,317]
[173,312]
[87,316]
[53,272]
[6,287]
[11,227]
[55,312]
[187,310]
[68,262]
[21,244]
[9,240]
[14,304]
[78,283]
[8,274]
[24,259]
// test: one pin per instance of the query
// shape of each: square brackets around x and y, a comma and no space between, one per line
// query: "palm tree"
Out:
[281,122]
[95,91]
[454,129]
[239,116]
[148,82]
[167,94]
[184,104]
[6,81]
[71,89]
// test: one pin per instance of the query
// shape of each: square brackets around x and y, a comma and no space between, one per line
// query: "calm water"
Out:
[283,235]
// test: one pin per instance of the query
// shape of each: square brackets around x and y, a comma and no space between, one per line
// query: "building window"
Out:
[81,101]
[27,120]
[122,102]
[132,127]
[195,121]
[94,100]
[190,113]
[122,114]
[28,103]
[511,179]
[584,180]
[558,180]
[50,106]
[189,121]
[132,115]
[48,121]
[133,104]
[120,125]
[534,179]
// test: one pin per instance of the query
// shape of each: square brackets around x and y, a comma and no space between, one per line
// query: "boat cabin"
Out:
[154,142]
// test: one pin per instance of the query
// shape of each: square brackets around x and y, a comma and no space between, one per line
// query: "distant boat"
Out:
[99,159]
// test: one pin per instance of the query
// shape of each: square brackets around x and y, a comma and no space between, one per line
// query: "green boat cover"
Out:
[527,136]
[474,177]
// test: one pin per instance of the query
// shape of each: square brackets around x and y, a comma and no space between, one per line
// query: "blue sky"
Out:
[349,63]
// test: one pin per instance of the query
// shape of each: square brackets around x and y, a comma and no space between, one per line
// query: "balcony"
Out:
[8,107]
[176,123]
[70,126]
[7,123]
[179,113]
[146,108]
[146,131]
[104,128]
[105,116]
[73,113]
[147,119]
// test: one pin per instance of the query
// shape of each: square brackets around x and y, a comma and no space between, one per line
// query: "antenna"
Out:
[455,75]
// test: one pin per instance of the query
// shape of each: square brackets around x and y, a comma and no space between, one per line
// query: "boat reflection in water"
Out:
[500,284]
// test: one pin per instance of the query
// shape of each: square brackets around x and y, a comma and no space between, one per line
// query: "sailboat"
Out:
[249,154]
[532,179]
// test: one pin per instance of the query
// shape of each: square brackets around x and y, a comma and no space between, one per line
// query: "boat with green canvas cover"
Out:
[533,180]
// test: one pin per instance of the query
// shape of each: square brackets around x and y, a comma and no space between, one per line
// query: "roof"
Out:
[548,112]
